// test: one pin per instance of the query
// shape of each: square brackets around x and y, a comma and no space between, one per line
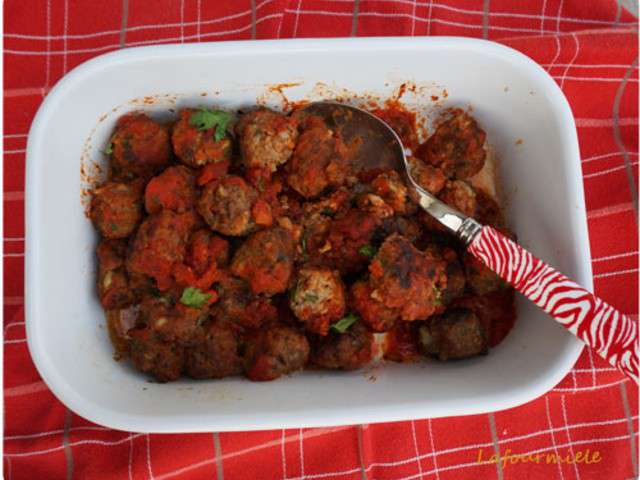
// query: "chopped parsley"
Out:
[109,149]
[344,323]
[194,297]
[207,118]
[367,251]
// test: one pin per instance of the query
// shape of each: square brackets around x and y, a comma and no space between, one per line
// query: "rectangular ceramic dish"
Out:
[528,122]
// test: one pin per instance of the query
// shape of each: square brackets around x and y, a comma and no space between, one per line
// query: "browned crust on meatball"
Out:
[226,206]
[267,139]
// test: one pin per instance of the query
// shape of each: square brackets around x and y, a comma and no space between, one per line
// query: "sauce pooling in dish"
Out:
[249,246]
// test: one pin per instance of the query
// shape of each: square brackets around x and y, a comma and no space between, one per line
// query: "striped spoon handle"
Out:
[600,326]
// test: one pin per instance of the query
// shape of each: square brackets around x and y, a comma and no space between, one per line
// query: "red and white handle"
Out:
[607,331]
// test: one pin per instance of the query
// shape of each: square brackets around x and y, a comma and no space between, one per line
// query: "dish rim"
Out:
[119,420]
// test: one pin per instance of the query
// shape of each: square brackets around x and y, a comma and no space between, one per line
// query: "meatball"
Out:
[459,195]
[318,298]
[404,278]
[496,311]
[375,315]
[428,177]
[457,333]
[375,205]
[239,306]
[172,322]
[215,353]
[480,278]
[347,247]
[154,356]
[401,343]
[344,351]
[272,353]
[408,227]
[390,187]
[456,280]
[116,209]
[456,147]
[159,244]
[265,260]
[315,219]
[139,147]
[174,189]
[267,139]
[206,249]
[488,211]
[226,206]
[402,122]
[318,161]
[196,147]
[113,284]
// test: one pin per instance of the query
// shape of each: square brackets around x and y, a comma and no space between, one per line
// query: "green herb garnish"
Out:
[109,149]
[344,323]
[207,118]
[194,297]
[367,251]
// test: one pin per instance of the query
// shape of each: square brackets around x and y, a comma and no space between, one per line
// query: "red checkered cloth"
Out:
[590,48]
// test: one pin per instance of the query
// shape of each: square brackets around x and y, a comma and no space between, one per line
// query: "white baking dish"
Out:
[513,98]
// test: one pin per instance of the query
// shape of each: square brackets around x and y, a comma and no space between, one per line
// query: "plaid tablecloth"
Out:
[589,47]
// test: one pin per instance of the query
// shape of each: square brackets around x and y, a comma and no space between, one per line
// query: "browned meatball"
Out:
[390,187]
[496,311]
[480,278]
[174,189]
[347,247]
[116,209]
[139,147]
[159,244]
[428,177]
[226,206]
[272,353]
[319,159]
[488,211]
[456,280]
[401,121]
[315,219]
[171,321]
[267,139]
[238,305]
[113,284]
[152,355]
[404,278]
[459,195]
[374,205]
[196,146]
[457,333]
[375,315]
[215,353]
[456,147]
[345,351]
[318,298]
[265,260]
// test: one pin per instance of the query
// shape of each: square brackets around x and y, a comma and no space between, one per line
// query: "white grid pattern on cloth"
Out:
[553,438]
[137,28]
[466,465]
[443,6]
[415,446]
[566,423]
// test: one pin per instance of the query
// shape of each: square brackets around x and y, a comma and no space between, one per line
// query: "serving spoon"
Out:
[613,335]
